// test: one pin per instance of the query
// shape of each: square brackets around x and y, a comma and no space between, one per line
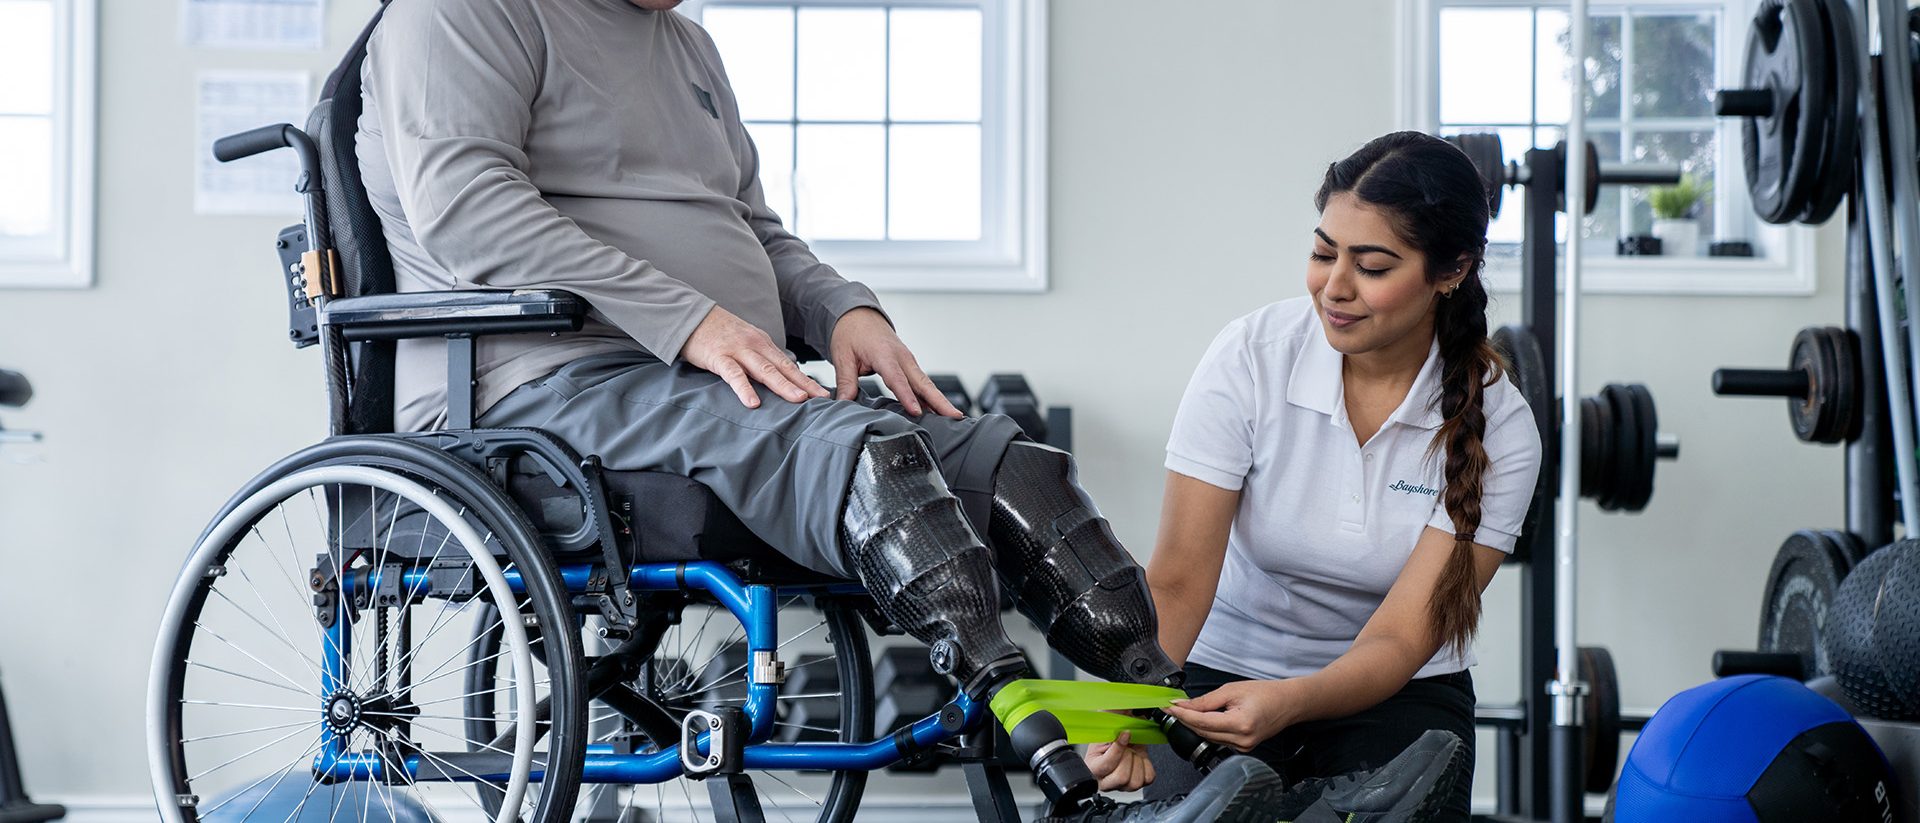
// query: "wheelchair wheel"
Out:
[691,654]
[315,637]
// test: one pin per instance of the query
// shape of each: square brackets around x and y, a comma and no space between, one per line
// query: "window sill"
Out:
[45,275]
[1790,274]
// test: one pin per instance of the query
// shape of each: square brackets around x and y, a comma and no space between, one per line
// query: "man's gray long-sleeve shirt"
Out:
[585,145]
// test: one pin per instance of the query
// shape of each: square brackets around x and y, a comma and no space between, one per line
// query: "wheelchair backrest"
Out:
[366,267]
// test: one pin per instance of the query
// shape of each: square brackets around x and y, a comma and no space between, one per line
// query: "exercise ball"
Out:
[360,801]
[1754,749]
[1872,634]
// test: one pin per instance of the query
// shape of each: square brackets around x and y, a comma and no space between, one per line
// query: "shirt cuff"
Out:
[1489,537]
[828,311]
[1204,473]
[672,336]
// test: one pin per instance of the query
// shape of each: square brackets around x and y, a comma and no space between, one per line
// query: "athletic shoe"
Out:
[1411,788]
[1239,790]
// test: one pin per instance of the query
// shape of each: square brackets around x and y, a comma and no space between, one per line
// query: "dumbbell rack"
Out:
[1530,787]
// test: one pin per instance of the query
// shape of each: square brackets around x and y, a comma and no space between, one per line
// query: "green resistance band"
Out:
[1086,708]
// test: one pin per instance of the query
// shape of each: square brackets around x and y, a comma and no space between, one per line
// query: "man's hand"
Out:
[864,343]
[1239,714]
[741,354]
[1121,766]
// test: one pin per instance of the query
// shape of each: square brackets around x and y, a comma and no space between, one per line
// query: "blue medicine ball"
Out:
[1754,749]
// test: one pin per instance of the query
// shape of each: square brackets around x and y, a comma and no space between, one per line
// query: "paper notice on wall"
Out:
[253,24]
[230,102]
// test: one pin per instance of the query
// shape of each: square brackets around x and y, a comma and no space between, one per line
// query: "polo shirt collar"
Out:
[1315,383]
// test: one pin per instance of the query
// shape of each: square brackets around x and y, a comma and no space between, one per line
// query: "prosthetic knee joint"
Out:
[1068,572]
[923,565]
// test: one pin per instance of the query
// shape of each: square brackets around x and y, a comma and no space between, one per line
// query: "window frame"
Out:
[1011,255]
[66,261]
[1788,271]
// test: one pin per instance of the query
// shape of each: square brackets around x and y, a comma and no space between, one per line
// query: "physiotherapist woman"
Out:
[1345,473]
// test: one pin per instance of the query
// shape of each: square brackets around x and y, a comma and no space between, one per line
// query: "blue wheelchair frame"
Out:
[754,605]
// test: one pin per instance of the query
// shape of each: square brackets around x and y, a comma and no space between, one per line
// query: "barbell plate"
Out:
[1806,572]
[1647,418]
[1851,546]
[1841,136]
[1529,373]
[1812,354]
[1785,54]
[1591,450]
[1623,462]
[1846,384]
[1602,731]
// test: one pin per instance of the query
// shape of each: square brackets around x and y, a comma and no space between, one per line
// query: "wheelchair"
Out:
[482,622]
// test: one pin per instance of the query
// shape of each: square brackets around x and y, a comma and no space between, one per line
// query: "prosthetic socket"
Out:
[1068,572]
[922,563]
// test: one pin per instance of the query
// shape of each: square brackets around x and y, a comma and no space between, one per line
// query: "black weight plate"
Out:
[1596,454]
[1601,735]
[1846,383]
[1785,54]
[1490,159]
[1529,373]
[1593,175]
[1812,354]
[1625,465]
[1850,545]
[1806,573]
[1648,419]
[1837,163]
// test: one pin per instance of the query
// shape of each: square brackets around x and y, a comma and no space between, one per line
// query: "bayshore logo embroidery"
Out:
[1404,486]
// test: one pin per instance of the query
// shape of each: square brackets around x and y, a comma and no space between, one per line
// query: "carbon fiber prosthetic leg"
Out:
[1068,572]
[921,562]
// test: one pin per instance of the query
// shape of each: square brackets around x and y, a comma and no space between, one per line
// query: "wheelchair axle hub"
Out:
[342,709]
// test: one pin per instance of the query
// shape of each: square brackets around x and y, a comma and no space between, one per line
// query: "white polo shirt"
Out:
[1325,525]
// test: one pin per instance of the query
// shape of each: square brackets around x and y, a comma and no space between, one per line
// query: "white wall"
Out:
[1186,141]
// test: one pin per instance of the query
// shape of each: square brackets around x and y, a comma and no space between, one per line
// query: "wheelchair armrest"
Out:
[437,314]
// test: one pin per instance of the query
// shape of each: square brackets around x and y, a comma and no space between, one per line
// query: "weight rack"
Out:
[1528,786]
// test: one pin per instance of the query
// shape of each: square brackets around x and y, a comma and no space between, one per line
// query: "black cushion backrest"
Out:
[366,267]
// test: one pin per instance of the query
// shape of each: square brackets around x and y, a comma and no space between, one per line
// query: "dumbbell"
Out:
[1821,383]
[909,689]
[810,719]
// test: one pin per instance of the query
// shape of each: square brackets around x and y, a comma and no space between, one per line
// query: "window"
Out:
[1652,67]
[902,138]
[46,142]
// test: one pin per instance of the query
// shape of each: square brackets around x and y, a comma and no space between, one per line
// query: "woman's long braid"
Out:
[1471,365]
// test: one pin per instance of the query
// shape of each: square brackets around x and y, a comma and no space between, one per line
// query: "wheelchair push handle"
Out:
[251,142]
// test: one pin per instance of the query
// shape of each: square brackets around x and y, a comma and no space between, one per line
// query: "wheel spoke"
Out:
[249,655]
[301,692]
[284,771]
[251,752]
[313,667]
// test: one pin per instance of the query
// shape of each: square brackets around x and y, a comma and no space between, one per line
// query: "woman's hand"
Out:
[1121,765]
[1241,714]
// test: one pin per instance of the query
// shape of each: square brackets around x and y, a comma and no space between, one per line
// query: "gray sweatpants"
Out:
[783,468]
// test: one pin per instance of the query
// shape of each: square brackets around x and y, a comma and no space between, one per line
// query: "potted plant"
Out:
[1673,216]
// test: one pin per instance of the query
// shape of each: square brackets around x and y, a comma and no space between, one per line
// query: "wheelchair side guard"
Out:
[494,452]
[1086,708]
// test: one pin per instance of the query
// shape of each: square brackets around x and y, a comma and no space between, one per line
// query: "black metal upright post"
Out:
[1539,311]
[1869,466]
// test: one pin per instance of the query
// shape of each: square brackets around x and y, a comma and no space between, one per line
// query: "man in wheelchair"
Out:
[595,146]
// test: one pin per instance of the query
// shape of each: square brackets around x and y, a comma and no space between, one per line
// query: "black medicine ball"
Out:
[1872,633]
